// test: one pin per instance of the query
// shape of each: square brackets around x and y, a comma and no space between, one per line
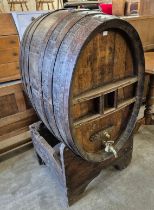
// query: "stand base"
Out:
[72,173]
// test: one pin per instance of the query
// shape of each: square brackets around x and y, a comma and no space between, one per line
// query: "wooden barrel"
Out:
[84,73]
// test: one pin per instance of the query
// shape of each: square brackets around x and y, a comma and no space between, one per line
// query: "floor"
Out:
[24,185]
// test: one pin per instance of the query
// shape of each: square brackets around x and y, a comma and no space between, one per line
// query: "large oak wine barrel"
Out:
[83,72]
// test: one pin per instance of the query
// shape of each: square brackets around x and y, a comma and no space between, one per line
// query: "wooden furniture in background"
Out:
[145,27]
[41,3]
[125,7]
[143,24]
[16,114]
[97,104]
[149,111]
[146,7]
[9,49]
[118,7]
[22,3]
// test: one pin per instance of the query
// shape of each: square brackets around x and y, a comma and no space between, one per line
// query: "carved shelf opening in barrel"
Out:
[83,72]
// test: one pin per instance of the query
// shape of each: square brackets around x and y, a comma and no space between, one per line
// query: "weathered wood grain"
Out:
[16,114]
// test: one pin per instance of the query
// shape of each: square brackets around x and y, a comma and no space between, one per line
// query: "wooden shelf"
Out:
[97,92]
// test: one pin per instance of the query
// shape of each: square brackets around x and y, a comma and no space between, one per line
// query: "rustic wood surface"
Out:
[7,26]
[14,142]
[9,72]
[142,24]
[72,173]
[9,49]
[53,79]
[149,62]
[16,114]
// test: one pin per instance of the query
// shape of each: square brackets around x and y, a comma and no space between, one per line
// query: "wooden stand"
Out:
[72,173]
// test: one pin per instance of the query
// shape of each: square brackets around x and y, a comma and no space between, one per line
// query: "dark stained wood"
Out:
[9,54]
[72,173]
[84,74]
[104,89]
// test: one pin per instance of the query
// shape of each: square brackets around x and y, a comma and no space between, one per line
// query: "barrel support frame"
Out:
[71,173]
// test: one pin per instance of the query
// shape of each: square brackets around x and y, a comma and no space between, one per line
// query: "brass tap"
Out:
[107,135]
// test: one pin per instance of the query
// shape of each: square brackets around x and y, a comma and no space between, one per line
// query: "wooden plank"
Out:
[14,141]
[7,26]
[22,146]
[12,99]
[7,42]
[10,88]
[18,124]
[8,106]
[17,117]
[20,101]
[9,71]
[14,133]
[104,90]
[9,55]
[119,57]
